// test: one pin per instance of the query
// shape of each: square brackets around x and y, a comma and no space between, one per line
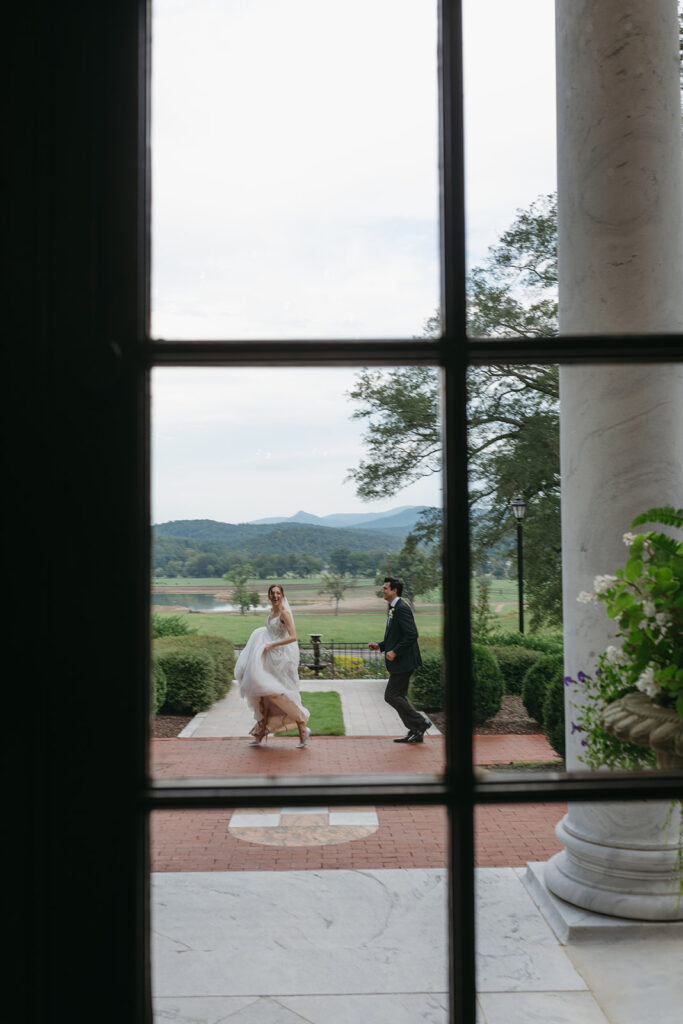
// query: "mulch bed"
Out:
[511,719]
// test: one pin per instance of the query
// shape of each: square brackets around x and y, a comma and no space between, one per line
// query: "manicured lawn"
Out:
[359,627]
[326,714]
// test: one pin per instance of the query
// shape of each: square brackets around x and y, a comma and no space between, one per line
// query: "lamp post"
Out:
[519,508]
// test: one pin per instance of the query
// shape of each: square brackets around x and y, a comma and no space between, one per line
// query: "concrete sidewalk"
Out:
[364,710]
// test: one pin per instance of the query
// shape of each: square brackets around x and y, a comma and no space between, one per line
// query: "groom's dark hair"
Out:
[394,584]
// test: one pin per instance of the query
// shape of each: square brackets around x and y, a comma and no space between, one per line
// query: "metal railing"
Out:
[337,659]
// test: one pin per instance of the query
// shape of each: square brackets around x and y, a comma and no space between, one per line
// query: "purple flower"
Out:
[582,677]
[568,680]
[584,743]
[576,728]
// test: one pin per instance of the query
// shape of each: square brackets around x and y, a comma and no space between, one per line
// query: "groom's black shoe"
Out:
[408,738]
[418,735]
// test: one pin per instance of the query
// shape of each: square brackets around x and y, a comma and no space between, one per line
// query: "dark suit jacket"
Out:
[401,637]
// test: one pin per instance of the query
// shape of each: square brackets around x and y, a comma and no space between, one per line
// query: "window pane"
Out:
[252,487]
[295,169]
[509,57]
[569,599]
[286,931]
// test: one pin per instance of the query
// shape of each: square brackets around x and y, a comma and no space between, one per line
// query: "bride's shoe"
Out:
[304,741]
[256,742]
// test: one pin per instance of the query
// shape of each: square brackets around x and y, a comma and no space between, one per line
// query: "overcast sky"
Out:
[295,194]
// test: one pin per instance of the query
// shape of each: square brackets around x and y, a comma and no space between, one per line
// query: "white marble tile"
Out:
[353,818]
[634,982]
[541,1008]
[304,810]
[199,1011]
[516,949]
[405,1008]
[255,820]
[574,924]
[299,932]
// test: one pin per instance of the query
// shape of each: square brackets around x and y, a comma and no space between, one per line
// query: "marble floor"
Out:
[325,947]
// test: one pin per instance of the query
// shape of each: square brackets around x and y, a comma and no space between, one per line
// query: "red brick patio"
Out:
[506,835]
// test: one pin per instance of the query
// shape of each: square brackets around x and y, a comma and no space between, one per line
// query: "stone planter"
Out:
[638,719]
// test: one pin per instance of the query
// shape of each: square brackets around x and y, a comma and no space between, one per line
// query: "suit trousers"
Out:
[395,694]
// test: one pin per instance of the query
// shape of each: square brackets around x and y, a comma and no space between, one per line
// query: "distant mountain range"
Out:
[317,535]
[402,518]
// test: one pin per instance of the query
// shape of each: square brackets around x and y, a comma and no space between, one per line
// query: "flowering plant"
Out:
[646,599]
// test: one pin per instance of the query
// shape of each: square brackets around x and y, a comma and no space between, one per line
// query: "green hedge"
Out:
[536,683]
[514,663]
[191,679]
[489,686]
[198,669]
[159,684]
[553,714]
[548,643]
[169,625]
[427,685]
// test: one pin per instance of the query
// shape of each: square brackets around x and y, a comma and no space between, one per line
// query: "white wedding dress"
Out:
[269,680]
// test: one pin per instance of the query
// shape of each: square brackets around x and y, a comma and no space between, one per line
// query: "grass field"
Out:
[358,627]
[361,612]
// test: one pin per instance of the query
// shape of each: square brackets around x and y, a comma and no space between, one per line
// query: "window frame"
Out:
[82,796]
[458,790]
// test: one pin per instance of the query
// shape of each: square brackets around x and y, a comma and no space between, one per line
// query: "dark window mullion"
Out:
[456,594]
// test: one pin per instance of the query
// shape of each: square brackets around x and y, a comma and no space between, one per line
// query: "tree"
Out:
[238,576]
[418,570]
[513,441]
[335,585]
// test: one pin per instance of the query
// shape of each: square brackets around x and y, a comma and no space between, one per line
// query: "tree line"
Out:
[175,556]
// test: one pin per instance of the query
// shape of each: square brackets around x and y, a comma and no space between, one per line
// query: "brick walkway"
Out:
[407,837]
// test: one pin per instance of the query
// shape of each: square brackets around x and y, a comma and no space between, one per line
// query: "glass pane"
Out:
[283,920]
[559,134]
[574,598]
[256,475]
[295,169]
[539,957]
[510,163]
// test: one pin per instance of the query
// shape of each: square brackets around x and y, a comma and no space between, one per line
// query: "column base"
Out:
[639,884]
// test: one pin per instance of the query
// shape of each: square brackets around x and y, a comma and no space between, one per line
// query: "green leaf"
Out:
[634,569]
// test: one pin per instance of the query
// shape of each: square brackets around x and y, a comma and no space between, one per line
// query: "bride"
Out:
[268,673]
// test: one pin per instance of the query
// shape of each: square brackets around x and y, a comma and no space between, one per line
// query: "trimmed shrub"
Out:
[514,662]
[536,682]
[170,625]
[159,684]
[553,713]
[220,650]
[426,684]
[489,686]
[550,643]
[191,678]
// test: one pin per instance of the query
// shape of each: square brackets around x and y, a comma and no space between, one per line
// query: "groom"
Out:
[402,656]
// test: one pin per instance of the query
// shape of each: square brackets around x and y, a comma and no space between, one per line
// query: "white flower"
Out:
[628,539]
[615,655]
[584,597]
[646,682]
[649,609]
[603,583]
[663,619]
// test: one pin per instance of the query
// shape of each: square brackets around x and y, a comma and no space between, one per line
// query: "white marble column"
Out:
[620,208]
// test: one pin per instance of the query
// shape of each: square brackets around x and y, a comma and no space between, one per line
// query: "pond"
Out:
[198,602]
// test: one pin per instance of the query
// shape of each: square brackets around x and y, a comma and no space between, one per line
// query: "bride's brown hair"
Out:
[282,589]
